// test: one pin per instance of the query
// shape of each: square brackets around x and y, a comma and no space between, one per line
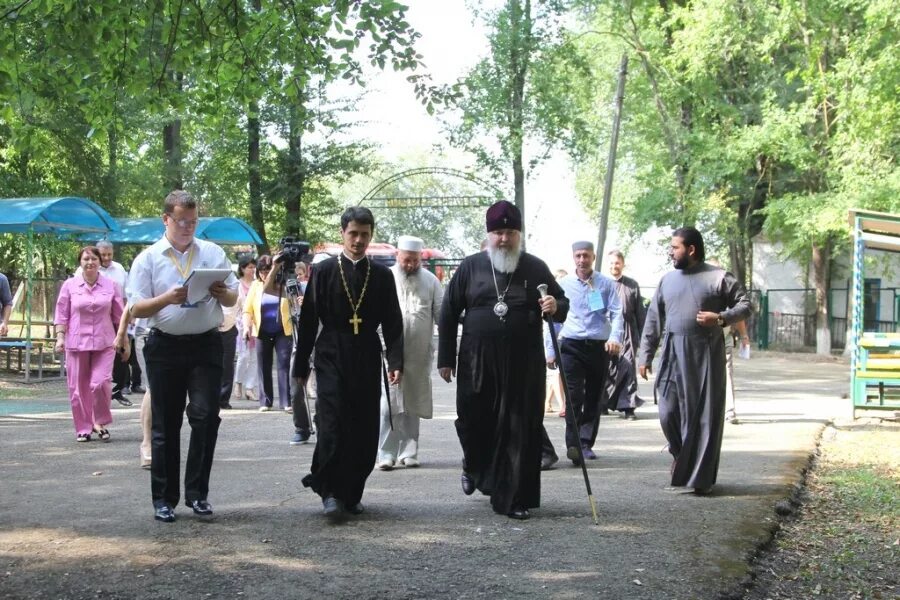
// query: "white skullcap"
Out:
[410,243]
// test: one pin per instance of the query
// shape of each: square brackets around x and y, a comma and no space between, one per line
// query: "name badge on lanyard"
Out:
[185,272]
[595,301]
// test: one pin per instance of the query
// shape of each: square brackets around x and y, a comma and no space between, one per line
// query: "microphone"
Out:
[542,288]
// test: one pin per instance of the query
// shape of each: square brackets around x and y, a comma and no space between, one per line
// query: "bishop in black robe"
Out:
[348,369]
[500,375]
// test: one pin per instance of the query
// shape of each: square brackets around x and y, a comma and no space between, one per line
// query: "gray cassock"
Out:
[690,382]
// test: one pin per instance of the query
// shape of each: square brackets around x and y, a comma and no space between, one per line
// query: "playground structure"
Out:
[78,219]
[875,358]
[61,217]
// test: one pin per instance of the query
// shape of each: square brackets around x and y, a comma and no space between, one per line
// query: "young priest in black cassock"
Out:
[350,296]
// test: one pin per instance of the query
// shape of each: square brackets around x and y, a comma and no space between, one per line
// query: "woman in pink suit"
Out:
[87,312]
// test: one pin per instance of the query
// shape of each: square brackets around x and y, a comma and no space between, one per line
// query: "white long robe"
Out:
[420,298]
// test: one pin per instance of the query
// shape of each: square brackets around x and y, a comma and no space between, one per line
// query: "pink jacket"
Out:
[90,314]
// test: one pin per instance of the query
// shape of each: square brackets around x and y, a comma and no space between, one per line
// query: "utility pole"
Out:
[611,162]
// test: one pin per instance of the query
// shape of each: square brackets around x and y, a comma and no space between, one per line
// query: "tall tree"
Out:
[528,96]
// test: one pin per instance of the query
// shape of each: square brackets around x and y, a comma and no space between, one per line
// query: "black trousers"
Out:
[584,364]
[120,375]
[229,345]
[183,369]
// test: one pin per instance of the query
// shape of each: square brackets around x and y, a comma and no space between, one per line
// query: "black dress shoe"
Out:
[468,484]
[164,513]
[519,513]
[118,397]
[332,507]
[137,389]
[201,507]
[225,406]
[356,509]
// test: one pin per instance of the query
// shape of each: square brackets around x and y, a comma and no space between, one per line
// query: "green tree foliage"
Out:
[117,100]
[529,95]
[756,115]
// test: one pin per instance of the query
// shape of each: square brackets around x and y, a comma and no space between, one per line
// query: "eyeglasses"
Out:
[184,223]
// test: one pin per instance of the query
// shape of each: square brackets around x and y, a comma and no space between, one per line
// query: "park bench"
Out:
[875,382]
[19,349]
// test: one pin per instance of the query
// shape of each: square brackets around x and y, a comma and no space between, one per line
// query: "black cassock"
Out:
[620,388]
[500,375]
[348,370]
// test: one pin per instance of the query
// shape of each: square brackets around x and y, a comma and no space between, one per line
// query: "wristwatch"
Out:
[720,320]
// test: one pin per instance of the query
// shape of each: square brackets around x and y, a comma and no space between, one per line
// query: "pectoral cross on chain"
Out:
[355,321]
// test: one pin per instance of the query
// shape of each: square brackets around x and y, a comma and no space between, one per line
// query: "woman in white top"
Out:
[246,372]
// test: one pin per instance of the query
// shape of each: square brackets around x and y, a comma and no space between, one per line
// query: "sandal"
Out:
[83,437]
[103,434]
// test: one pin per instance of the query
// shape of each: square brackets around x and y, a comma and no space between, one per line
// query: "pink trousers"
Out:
[89,375]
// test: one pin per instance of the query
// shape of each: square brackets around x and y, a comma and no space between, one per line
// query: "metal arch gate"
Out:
[372,199]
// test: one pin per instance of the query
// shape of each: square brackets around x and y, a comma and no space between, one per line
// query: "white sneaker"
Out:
[265,408]
[386,464]
[410,462]
[288,409]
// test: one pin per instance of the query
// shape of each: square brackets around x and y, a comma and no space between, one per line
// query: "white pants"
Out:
[400,442]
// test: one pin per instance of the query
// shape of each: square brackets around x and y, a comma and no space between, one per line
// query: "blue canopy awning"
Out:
[54,215]
[221,230]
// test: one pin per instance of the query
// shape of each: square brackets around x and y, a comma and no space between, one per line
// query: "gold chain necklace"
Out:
[355,321]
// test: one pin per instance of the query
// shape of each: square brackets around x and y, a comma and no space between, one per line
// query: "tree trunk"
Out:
[294,173]
[253,176]
[111,185]
[821,257]
[173,175]
[520,23]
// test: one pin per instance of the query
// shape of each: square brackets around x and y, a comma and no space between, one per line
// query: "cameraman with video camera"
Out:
[282,281]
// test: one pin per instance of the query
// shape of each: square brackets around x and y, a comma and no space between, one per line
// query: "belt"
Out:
[583,342]
[185,337]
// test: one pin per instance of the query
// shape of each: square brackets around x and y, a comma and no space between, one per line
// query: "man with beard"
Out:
[500,390]
[350,296]
[620,390]
[420,295]
[592,332]
[688,311]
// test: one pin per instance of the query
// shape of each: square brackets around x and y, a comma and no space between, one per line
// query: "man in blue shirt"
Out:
[592,331]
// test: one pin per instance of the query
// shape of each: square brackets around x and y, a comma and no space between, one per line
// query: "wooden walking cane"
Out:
[542,288]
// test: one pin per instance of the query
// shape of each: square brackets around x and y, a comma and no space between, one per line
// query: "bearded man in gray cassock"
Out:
[420,294]
[686,316]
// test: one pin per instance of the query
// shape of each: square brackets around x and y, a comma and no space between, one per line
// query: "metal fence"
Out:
[795,331]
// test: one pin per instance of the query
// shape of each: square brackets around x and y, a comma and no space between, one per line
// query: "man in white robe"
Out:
[420,294]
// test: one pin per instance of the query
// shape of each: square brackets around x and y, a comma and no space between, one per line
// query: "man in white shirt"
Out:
[183,352]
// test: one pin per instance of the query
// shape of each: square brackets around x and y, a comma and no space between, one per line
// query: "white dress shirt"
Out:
[154,272]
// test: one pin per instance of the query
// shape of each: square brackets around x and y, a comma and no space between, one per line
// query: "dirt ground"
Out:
[843,540]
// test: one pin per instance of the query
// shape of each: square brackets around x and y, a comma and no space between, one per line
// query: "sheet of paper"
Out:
[199,281]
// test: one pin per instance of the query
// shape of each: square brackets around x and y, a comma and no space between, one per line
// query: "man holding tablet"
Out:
[183,353]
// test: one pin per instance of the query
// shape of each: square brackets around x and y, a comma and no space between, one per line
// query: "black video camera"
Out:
[292,252]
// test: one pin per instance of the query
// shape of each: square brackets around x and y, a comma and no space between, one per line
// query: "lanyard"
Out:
[187,269]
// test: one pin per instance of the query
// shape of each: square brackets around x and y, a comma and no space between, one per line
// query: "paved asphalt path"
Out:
[76,520]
